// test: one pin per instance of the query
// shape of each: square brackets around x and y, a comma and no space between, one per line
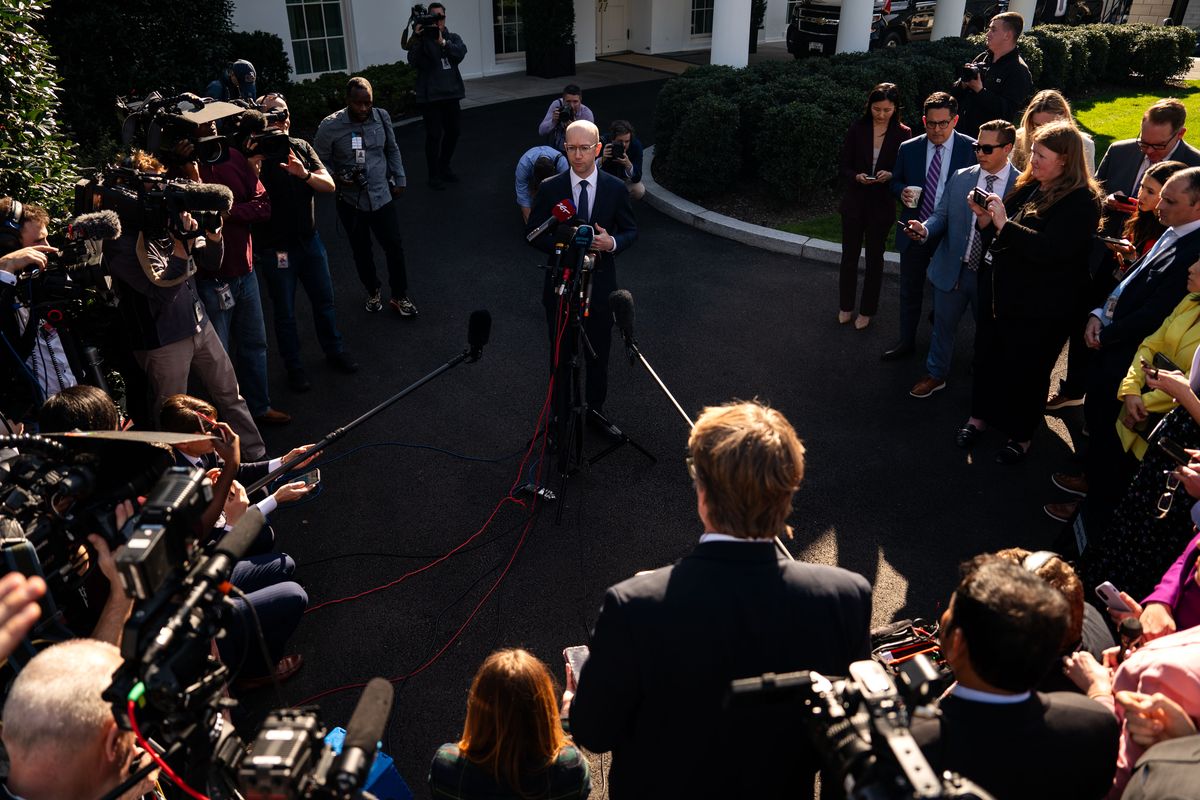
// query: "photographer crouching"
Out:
[997,83]
[436,54]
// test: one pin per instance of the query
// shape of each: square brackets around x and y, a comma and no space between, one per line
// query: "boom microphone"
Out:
[97,225]
[479,330]
[562,211]
[363,733]
[199,196]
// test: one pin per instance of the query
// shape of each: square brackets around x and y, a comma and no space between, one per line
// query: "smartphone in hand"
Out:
[1112,597]
[575,657]
[980,197]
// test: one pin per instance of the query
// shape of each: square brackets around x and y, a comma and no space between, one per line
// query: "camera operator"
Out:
[622,157]
[38,364]
[231,293]
[1001,634]
[238,82]
[536,165]
[561,113]
[997,84]
[61,738]
[289,250]
[358,143]
[154,275]
[436,53]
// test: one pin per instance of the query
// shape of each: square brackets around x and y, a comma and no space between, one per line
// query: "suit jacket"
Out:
[611,210]
[1039,263]
[1167,771]
[1152,293]
[666,646]
[910,171]
[953,217]
[1050,746]
[1121,161]
[870,202]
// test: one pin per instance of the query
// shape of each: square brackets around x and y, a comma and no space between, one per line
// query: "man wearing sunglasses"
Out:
[1160,139]
[954,270]
[436,54]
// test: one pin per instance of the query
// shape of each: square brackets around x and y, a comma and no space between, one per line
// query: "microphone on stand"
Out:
[479,330]
[562,211]
[621,302]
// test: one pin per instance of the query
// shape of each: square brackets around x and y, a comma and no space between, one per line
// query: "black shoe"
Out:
[343,362]
[898,352]
[449,176]
[297,380]
[436,184]
[598,422]
[1012,453]
[967,436]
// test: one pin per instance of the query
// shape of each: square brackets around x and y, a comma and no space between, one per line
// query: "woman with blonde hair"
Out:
[1048,105]
[1034,267]
[513,744]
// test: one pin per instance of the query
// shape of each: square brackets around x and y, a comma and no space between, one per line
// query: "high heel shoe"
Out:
[845,316]
[862,322]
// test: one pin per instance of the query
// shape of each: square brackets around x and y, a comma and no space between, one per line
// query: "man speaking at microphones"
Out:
[602,202]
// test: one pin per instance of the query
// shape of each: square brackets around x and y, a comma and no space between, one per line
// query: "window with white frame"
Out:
[318,36]
[506,27]
[702,17]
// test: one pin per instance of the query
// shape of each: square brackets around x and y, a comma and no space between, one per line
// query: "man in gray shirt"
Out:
[359,147]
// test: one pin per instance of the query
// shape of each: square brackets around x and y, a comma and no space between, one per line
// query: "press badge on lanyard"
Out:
[224,296]
[445,63]
[356,144]
[281,259]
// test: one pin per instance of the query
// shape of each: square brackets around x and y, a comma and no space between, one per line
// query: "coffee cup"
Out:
[914,195]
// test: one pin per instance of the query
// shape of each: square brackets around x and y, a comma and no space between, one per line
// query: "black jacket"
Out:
[438,77]
[666,646]
[1007,86]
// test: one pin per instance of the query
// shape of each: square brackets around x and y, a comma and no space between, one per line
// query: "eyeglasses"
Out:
[938,126]
[987,149]
[274,96]
[1168,495]
[580,148]
[1144,145]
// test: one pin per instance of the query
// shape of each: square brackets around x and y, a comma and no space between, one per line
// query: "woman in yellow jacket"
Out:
[1177,339]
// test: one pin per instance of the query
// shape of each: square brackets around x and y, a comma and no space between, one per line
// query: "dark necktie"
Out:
[929,194]
[977,240]
[582,209]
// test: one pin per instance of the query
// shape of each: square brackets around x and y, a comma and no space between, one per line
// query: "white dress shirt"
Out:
[997,188]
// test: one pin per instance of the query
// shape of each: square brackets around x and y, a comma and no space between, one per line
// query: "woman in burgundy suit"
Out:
[868,208]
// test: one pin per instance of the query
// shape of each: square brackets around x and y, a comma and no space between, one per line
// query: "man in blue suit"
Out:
[954,271]
[601,200]
[927,162]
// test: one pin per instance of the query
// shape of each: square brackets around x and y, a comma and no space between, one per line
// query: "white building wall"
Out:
[670,28]
[585,31]
[641,23]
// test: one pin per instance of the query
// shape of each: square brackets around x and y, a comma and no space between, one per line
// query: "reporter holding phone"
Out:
[1143,227]
[868,209]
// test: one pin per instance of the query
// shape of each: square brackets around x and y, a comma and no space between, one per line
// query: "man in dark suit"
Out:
[926,162]
[1001,634]
[667,643]
[601,200]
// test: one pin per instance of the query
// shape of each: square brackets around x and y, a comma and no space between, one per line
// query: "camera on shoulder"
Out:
[420,16]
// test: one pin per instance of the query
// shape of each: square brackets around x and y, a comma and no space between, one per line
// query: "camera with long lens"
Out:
[153,204]
[566,113]
[420,16]
[273,145]
[970,71]
[860,726]
[354,175]
[159,125]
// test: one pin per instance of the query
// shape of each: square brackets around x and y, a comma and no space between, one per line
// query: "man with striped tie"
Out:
[926,162]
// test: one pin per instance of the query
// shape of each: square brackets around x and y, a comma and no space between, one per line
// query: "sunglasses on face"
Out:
[987,149]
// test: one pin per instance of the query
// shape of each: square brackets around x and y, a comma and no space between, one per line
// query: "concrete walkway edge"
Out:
[689,213]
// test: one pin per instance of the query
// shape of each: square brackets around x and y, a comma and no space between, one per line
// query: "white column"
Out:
[731,32]
[948,18]
[1025,8]
[854,28]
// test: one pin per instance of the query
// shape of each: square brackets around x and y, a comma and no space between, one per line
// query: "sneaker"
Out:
[1071,484]
[1061,512]
[343,362]
[297,380]
[1061,400]
[927,386]
[403,306]
[374,301]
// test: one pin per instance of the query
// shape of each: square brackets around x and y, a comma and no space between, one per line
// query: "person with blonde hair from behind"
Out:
[62,740]
[513,744]
[1048,105]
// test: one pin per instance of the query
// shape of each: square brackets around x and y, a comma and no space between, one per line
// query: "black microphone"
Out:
[97,225]
[621,302]
[363,733]
[562,211]
[200,196]
[1130,630]
[585,234]
[479,330]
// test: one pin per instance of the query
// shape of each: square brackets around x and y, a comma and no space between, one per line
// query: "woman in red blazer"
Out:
[868,208]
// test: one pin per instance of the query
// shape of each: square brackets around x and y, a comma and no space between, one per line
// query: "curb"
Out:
[776,241]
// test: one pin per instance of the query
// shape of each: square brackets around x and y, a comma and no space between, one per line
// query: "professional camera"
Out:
[566,113]
[421,16]
[972,70]
[272,145]
[355,175]
[152,203]
[158,124]
[618,151]
[860,727]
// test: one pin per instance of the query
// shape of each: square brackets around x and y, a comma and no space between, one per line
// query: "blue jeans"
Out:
[248,347]
[308,265]
[948,309]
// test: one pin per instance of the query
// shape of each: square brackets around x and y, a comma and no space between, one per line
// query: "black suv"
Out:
[814,26]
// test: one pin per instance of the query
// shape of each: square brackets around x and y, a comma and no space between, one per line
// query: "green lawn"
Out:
[1108,114]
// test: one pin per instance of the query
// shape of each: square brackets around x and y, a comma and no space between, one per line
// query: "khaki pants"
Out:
[167,369]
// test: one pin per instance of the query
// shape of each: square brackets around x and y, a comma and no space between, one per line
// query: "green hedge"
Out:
[783,122]
[312,100]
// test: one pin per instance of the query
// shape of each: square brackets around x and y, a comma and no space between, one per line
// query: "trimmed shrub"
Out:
[1161,54]
[1056,66]
[312,100]
[265,51]
[1097,50]
[708,134]
[799,143]
[394,85]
